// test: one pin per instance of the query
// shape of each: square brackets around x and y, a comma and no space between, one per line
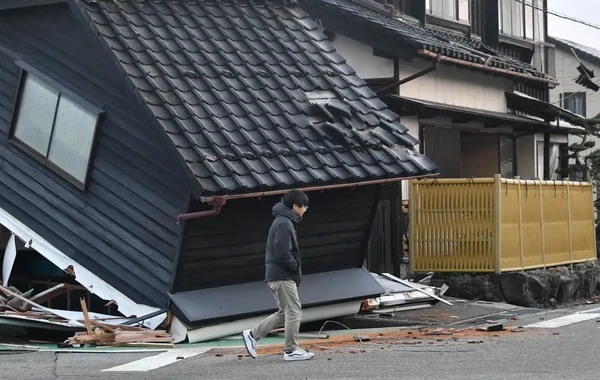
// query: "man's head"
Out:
[297,201]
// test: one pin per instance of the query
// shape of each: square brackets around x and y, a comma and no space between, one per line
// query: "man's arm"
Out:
[283,248]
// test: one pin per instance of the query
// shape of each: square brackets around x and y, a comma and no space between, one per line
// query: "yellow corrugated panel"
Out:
[582,223]
[482,225]
[452,225]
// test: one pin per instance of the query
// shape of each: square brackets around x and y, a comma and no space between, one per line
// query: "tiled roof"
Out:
[447,44]
[254,96]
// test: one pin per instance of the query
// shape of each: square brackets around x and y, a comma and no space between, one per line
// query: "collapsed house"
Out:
[144,143]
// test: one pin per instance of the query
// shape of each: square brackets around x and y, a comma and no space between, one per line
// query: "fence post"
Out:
[593,214]
[542,224]
[519,203]
[412,203]
[569,223]
[497,224]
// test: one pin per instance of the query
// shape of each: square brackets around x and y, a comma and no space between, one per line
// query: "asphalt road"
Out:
[563,353]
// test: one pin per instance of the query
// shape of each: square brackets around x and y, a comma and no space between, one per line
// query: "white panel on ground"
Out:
[157,361]
[10,254]
[207,333]
[83,276]
[567,320]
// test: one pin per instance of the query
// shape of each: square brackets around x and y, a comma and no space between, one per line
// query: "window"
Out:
[574,102]
[557,163]
[457,10]
[516,18]
[56,127]
[506,152]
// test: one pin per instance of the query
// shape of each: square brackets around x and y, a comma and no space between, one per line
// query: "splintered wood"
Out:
[102,334]
[118,337]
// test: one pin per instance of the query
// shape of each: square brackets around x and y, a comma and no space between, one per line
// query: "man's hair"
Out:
[295,197]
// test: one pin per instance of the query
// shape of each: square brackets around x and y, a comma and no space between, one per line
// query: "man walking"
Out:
[282,274]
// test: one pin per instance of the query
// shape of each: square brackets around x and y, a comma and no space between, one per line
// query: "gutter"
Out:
[460,62]
[219,201]
[315,188]
[216,202]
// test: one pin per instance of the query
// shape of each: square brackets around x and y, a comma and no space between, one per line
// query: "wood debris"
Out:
[16,304]
[103,334]
[114,336]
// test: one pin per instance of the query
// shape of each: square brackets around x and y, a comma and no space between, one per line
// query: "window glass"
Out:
[55,126]
[463,10]
[529,13]
[445,8]
[517,18]
[36,114]
[506,10]
[574,102]
[506,156]
[72,138]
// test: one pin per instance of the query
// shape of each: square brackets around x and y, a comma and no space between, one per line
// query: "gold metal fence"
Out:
[499,225]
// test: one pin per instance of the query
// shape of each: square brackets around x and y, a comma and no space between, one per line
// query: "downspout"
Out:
[412,77]
[217,203]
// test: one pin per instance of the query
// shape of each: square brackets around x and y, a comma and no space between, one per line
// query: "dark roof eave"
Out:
[427,54]
[538,108]
[439,109]
[14,4]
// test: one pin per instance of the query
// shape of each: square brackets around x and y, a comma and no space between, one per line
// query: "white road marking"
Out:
[580,316]
[153,362]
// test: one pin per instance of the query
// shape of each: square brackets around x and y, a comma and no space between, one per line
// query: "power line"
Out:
[573,93]
[560,15]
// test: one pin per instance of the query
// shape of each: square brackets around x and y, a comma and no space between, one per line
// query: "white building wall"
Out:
[362,60]
[450,85]
[566,73]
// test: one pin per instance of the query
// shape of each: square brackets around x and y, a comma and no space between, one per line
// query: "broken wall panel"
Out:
[122,227]
[229,248]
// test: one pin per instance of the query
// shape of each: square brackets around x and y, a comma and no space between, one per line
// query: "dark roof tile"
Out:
[236,87]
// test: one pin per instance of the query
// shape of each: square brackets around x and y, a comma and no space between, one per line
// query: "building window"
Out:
[457,10]
[557,160]
[516,18]
[54,126]
[574,102]
[506,153]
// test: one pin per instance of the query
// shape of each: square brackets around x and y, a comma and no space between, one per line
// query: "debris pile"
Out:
[24,309]
[112,335]
[102,334]
[402,295]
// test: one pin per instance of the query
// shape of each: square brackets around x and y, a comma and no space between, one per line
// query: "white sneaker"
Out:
[250,343]
[298,354]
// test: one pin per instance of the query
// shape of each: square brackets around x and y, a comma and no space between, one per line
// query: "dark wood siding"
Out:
[123,227]
[229,248]
[443,147]
[477,17]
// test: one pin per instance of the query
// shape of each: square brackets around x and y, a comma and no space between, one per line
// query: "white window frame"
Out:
[456,6]
[95,113]
[525,11]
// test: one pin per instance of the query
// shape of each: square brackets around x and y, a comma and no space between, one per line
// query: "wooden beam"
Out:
[53,292]
[86,316]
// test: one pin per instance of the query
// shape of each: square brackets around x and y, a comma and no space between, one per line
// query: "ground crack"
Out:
[55,366]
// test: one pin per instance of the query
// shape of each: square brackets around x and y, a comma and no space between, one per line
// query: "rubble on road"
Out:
[402,295]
